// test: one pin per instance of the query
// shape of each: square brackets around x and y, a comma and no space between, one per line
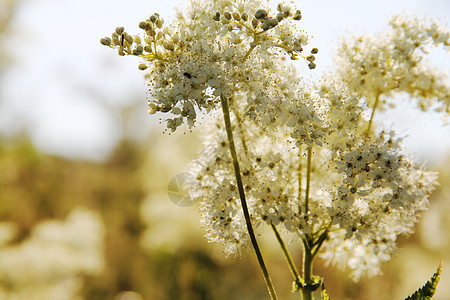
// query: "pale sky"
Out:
[64,84]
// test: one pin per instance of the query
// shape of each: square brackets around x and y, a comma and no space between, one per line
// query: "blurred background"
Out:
[84,171]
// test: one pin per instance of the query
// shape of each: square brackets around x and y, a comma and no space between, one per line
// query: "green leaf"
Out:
[427,291]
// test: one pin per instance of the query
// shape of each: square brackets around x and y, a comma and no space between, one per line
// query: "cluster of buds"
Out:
[132,45]
[311,58]
[121,40]
[261,18]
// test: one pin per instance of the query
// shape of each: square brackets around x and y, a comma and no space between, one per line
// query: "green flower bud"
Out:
[143,25]
[298,15]
[142,67]
[153,18]
[116,41]
[148,49]
[105,41]
[280,16]
[121,52]
[244,17]
[129,39]
[314,51]
[216,16]
[261,14]
[236,16]
[311,58]
[120,30]
[272,22]
[159,23]
[255,23]
[227,15]
[265,26]
[312,65]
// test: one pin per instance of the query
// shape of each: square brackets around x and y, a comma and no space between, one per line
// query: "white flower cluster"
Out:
[364,191]
[309,158]
[212,49]
[393,61]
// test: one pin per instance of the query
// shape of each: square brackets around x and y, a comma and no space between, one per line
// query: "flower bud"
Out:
[261,14]
[265,26]
[142,67]
[159,22]
[216,16]
[153,18]
[244,17]
[311,58]
[255,23]
[298,15]
[120,30]
[129,39]
[116,41]
[105,41]
[143,25]
[121,52]
[314,51]
[312,65]
[137,39]
[272,22]
[236,16]
[227,15]
[280,16]
[169,45]
[148,49]
[152,108]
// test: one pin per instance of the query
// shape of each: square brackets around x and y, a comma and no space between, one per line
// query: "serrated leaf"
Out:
[427,291]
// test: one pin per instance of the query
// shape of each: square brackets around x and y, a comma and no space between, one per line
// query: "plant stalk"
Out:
[307,269]
[286,253]
[226,117]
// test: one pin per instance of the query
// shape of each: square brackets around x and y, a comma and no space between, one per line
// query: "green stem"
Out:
[377,101]
[299,175]
[226,117]
[308,179]
[307,268]
[286,253]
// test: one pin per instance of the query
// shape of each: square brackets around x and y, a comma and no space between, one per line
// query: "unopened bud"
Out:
[244,17]
[142,67]
[280,16]
[216,16]
[261,14]
[255,23]
[312,65]
[148,49]
[168,45]
[227,15]
[236,16]
[129,39]
[105,41]
[311,58]
[120,30]
[159,23]
[143,25]
[314,51]
[272,22]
